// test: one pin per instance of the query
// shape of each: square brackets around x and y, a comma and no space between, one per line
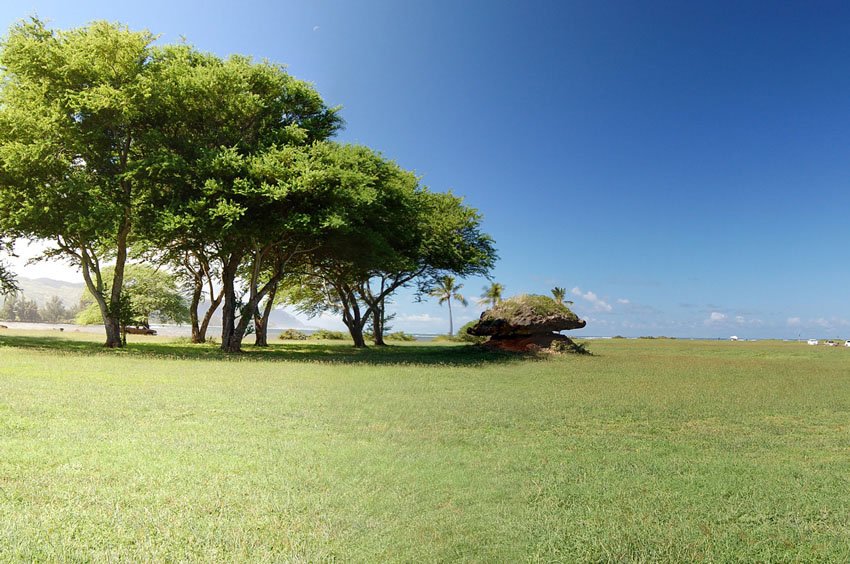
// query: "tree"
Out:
[8,283]
[197,275]
[27,310]
[9,311]
[16,307]
[559,294]
[148,293]
[492,294]
[76,138]
[238,146]
[396,234]
[54,311]
[375,217]
[201,275]
[446,290]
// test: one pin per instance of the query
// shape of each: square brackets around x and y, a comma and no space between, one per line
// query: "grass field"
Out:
[650,450]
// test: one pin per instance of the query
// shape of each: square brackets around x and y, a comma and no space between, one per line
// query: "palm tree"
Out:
[492,294]
[447,291]
[559,294]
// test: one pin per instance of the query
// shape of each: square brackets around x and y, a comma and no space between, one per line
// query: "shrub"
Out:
[444,339]
[399,336]
[293,335]
[465,337]
[569,346]
[327,335]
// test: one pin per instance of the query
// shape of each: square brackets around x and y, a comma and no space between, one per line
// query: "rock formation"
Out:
[526,323]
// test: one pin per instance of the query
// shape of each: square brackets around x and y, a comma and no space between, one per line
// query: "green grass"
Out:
[647,451]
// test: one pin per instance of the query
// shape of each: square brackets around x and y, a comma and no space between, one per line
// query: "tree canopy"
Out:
[220,170]
[75,138]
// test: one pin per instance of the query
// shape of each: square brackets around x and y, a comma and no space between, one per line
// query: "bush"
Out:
[399,336]
[444,339]
[327,335]
[465,337]
[292,335]
[569,346]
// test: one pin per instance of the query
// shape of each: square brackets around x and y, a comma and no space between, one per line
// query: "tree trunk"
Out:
[197,290]
[111,320]
[357,336]
[355,329]
[451,326]
[231,331]
[261,322]
[378,320]
[205,323]
[352,318]
[229,341]
[113,332]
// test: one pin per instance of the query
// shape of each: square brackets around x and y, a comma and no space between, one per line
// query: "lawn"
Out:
[650,450]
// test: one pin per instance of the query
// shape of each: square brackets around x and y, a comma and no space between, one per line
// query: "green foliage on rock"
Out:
[528,304]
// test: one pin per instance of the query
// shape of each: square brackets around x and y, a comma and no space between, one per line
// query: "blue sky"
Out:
[680,167]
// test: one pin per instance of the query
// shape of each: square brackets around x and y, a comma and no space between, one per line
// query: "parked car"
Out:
[847,343]
[831,344]
[812,341]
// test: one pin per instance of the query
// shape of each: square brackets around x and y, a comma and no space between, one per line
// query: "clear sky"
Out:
[681,167]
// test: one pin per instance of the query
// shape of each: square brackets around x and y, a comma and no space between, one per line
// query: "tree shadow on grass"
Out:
[320,352]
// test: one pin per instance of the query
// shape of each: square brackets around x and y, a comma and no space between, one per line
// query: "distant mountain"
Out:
[278,319]
[42,289]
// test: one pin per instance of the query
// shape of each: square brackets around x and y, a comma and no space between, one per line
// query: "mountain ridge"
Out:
[42,289]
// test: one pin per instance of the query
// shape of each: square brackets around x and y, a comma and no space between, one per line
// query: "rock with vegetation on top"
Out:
[526,323]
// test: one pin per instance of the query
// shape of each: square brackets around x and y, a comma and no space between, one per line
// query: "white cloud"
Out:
[715,318]
[315,28]
[598,303]
[820,322]
[420,318]
[623,301]
[741,320]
